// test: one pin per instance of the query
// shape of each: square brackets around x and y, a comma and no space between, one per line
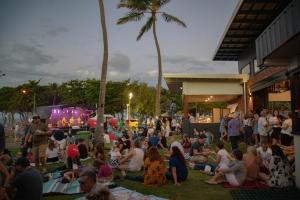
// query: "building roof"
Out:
[175,80]
[250,18]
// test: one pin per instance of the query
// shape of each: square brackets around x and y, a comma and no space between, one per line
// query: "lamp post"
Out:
[130,97]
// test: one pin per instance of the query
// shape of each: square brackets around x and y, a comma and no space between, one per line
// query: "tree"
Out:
[99,132]
[137,10]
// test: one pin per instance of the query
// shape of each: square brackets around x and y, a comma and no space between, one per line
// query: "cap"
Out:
[23,162]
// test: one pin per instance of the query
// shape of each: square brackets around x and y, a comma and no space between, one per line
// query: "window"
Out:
[246,69]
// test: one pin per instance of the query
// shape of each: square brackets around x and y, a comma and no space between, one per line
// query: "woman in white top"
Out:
[51,153]
[275,123]
[286,131]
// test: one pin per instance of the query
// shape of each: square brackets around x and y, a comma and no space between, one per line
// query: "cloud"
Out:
[57,31]
[186,64]
[119,63]
[25,56]
[152,73]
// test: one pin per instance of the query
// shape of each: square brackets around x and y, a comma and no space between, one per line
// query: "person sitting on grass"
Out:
[197,152]
[252,163]
[92,189]
[115,156]
[235,173]
[186,143]
[133,160]
[26,182]
[154,140]
[154,170]
[177,168]
[222,160]
[279,169]
[83,149]
[209,137]
[51,153]
[104,172]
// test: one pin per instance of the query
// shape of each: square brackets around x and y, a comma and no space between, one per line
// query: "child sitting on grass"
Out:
[115,156]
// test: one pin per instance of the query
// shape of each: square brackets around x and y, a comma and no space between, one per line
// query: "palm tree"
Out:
[137,10]
[99,132]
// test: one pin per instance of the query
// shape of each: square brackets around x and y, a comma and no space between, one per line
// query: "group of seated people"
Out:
[267,164]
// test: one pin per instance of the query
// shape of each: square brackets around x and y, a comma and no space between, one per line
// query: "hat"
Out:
[23,162]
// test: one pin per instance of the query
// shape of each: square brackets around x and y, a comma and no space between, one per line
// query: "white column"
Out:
[245,97]
[297,159]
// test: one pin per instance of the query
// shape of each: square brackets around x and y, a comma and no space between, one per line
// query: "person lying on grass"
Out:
[177,168]
[235,173]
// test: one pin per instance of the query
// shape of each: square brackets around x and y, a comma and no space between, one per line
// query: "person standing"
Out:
[39,132]
[234,126]
[275,123]
[2,137]
[223,128]
[286,131]
[248,128]
[262,127]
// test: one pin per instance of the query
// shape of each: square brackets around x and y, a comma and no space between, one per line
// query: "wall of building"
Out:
[283,28]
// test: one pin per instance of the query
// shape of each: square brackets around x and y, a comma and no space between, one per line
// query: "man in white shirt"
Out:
[262,127]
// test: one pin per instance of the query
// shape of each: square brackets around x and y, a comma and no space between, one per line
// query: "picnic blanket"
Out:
[272,194]
[54,185]
[120,193]
[247,185]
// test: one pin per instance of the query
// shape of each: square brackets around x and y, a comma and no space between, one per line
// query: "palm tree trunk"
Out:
[159,74]
[99,132]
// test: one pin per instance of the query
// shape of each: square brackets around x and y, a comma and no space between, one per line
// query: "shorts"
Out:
[39,151]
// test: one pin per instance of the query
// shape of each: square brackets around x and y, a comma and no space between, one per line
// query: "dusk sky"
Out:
[60,40]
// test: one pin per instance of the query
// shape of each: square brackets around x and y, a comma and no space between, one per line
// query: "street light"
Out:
[23,91]
[130,97]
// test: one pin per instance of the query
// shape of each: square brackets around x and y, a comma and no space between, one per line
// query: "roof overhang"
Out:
[249,19]
[175,81]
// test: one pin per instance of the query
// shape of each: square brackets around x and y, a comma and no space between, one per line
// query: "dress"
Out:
[154,172]
[279,171]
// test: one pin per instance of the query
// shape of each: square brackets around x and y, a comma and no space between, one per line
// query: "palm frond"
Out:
[145,28]
[134,5]
[170,18]
[131,16]
[161,3]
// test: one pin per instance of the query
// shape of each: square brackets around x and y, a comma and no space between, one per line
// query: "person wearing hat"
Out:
[40,134]
[26,182]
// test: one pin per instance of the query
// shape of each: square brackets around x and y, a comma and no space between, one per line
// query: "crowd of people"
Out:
[158,151]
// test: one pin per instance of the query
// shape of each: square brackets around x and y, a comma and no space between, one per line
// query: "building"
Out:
[264,37]
[229,89]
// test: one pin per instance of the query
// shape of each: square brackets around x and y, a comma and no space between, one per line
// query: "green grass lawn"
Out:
[193,188]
